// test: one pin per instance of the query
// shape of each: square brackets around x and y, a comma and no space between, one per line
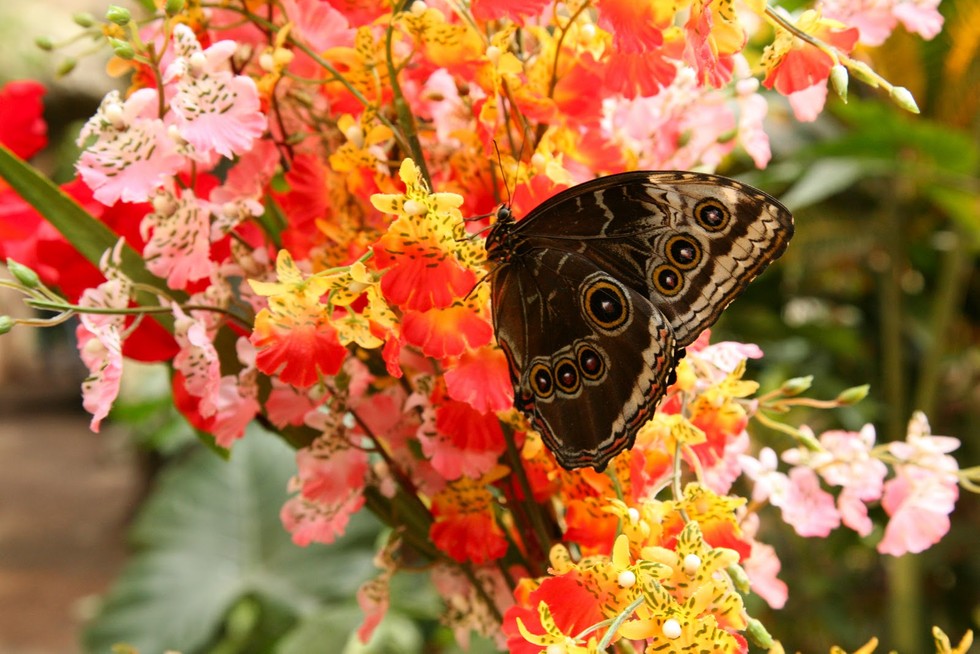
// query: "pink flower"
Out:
[464,443]
[237,405]
[215,110]
[330,469]
[762,566]
[846,461]
[373,597]
[752,111]
[480,378]
[923,493]
[769,483]
[198,361]
[99,338]
[313,522]
[179,249]
[807,507]
[132,154]
[876,19]
[287,405]
[808,103]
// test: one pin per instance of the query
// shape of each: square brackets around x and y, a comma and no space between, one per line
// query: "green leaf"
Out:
[210,538]
[825,178]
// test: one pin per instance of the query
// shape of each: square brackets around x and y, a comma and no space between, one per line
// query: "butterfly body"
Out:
[597,290]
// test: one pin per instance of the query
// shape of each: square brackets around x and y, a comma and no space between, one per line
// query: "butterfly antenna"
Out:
[500,165]
[482,279]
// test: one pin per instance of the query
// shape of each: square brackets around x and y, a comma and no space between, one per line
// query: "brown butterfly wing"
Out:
[690,242]
[589,357]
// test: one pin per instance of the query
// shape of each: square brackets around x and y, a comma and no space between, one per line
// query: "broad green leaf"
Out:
[208,539]
[825,178]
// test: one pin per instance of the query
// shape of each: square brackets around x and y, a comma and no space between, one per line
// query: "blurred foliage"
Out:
[213,570]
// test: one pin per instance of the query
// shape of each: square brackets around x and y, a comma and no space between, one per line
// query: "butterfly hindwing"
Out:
[589,356]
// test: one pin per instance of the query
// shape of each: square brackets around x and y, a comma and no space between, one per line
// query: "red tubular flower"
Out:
[465,527]
[297,351]
[445,332]
[421,273]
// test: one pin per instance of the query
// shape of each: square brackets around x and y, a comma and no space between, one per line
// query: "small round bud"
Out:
[853,395]
[672,629]
[758,634]
[692,563]
[122,49]
[6,324]
[83,19]
[66,66]
[118,15]
[196,63]
[114,114]
[27,277]
[173,7]
[797,385]
[267,62]
[903,98]
[45,43]
[355,134]
[838,81]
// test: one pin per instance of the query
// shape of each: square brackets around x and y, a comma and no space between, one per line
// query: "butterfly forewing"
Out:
[671,249]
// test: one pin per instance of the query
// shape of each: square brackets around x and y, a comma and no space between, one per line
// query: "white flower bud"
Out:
[691,564]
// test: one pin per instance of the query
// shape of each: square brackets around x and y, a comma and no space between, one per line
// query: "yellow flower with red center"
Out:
[294,335]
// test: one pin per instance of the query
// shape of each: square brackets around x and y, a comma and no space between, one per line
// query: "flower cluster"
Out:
[311,182]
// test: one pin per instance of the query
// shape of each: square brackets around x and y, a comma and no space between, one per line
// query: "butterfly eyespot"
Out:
[683,252]
[542,380]
[605,304]
[711,215]
[591,363]
[566,376]
[667,279]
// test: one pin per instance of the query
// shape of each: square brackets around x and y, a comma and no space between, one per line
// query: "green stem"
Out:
[954,272]
[904,574]
[405,118]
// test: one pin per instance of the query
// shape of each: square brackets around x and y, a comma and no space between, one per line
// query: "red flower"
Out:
[421,274]
[794,65]
[445,332]
[573,607]
[481,379]
[465,527]
[297,351]
[22,126]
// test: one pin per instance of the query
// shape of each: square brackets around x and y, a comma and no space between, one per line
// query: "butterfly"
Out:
[598,290]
